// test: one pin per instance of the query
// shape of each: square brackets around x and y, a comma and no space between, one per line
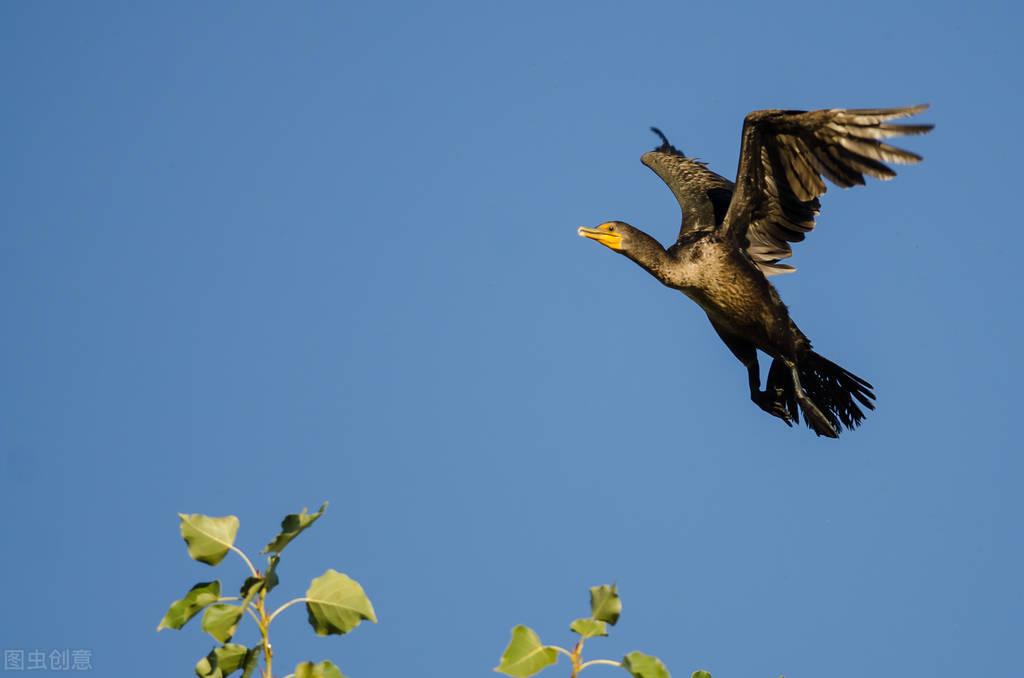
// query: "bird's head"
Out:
[632,243]
[615,235]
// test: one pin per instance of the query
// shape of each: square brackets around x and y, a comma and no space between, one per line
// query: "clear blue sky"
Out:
[255,256]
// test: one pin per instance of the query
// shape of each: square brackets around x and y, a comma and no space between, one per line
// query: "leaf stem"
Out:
[562,650]
[245,558]
[289,604]
[606,662]
[255,616]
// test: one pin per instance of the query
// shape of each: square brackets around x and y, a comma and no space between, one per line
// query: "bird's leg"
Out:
[778,382]
[771,401]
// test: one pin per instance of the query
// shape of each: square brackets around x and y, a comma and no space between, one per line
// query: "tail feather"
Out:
[835,392]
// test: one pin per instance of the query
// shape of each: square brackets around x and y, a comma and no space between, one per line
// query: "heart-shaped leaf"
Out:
[589,628]
[291,527]
[254,584]
[251,660]
[642,665]
[223,661]
[324,669]
[198,597]
[337,604]
[208,538]
[271,574]
[221,621]
[525,654]
[251,585]
[605,604]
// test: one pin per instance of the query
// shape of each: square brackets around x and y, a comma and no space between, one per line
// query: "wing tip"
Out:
[666,146]
[661,135]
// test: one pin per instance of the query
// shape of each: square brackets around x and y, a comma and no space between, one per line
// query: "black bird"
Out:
[734,235]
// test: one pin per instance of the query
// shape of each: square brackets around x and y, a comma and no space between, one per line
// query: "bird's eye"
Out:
[611,228]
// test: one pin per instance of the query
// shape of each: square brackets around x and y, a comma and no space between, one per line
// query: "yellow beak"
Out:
[609,240]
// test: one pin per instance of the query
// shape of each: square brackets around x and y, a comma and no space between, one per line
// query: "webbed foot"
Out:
[773,402]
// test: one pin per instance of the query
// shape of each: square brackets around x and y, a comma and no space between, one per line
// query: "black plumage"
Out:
[734,235]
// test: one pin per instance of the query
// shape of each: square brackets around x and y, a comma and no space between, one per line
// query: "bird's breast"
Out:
[720,281]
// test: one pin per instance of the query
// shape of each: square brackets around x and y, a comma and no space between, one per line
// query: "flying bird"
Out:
[734,235]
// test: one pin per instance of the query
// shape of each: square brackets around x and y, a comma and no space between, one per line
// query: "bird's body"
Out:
[736,296]
[733,237]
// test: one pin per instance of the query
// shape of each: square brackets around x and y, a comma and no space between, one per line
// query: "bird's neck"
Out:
[651,256]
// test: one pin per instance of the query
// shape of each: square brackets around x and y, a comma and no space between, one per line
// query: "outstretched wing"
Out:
[783,158]
[703,195]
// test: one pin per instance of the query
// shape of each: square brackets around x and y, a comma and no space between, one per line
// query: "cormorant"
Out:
[734,235]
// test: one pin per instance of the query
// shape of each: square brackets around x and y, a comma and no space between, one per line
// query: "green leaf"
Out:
[251,660]
[251,585]
[605,604]
[271,575]
[247,596]
[208,538]
[221,621]
[642,665]
[291,527]
[702,674]
[198,597]
[223,661]
[337,604]
[324,669]
[589,628]
[525,654]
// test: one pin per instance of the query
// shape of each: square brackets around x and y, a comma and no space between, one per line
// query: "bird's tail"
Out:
[829,396]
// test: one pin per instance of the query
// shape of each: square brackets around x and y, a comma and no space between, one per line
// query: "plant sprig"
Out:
[335,603]
[526,655]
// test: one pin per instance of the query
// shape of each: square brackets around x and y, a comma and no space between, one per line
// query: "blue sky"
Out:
[257,256]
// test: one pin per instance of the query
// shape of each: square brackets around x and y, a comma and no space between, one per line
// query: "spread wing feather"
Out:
[783,159]
[703,195]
